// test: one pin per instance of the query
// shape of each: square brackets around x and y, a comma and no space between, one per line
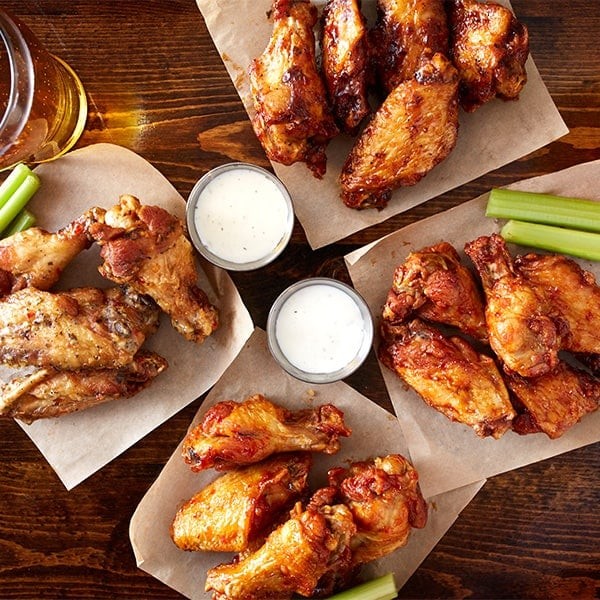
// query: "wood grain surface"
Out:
[157,85]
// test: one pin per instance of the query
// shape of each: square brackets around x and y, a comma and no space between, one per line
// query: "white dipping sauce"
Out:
[241,215]
[319,329]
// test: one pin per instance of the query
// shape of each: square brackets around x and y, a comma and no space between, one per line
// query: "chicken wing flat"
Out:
[79,328]
[146,248]
[522,327]
[385,500]
[413,130]
[450,375]
[554,402]
[345,62]
[51,393]
[434,285]
[238,507]
[293,120]
[237,433]
[403,32]
[489,47]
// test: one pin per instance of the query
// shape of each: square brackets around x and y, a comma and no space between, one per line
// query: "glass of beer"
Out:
[43,107]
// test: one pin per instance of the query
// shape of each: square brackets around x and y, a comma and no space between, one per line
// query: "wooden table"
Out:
[157,85]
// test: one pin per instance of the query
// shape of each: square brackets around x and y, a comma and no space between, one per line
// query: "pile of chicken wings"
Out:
[395,86]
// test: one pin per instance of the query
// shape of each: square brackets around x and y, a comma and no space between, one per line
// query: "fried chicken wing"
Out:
[238,507]
[489,47]
[233,433]
[434,285]
[51,393]
[449,374]
[74,329]
[146,248]
[345,62]
[293,120]
[403,32]
[413,130]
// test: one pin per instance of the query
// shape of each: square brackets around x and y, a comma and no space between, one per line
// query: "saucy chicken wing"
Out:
[449,374]
[489,47]
[434,285]
[51,393]
[233,433]
[293,120]
[413,130]
[146,248]
[344,62]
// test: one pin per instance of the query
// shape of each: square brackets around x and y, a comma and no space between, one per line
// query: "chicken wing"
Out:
[413,130]
[403,32]
[51,393]
[434,285]
[74,329]
[293,120]
[489,47]
[146,248]
[238,507]
[385,500]
[449,375]
[344,61]
[233,434]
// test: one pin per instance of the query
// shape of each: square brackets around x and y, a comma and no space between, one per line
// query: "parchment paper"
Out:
[77,445]
[375,432]
[431,437]
[496,134]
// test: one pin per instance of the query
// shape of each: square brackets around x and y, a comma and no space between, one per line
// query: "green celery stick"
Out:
[583,244]
[18,200]
[544,208]
[381,588]
[24,220]
[13,181]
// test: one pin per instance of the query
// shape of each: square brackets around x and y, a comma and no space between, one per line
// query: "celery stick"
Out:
[18,200]
[381,588]
[24,220]
[583,244]
[12,182]
[544,208]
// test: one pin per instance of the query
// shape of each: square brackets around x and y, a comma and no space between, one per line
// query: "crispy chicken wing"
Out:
[403,32]
[74,329]
[52,393]
[433,284]
[234,433]
[293,120]
[413,130]
[449,375]
[489,47]
[239,506]
[345,62]
[146,248]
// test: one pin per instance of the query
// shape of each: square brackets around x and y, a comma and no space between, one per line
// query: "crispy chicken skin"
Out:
[51,393]
[449,374]
[344,61]
[74,329]
[146,248]
[236,508]
[238,433]
[489,47]
[403,32]
[384,497]
[413,130]
[293,120]
[434,285]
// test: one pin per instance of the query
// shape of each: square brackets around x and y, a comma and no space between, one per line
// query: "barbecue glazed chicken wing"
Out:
[238,507]
[434,285]
[146,248]
[449,374]
[293,120]
[489,47]
[51,393]
[413,130]
[345,62]
[233,434]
